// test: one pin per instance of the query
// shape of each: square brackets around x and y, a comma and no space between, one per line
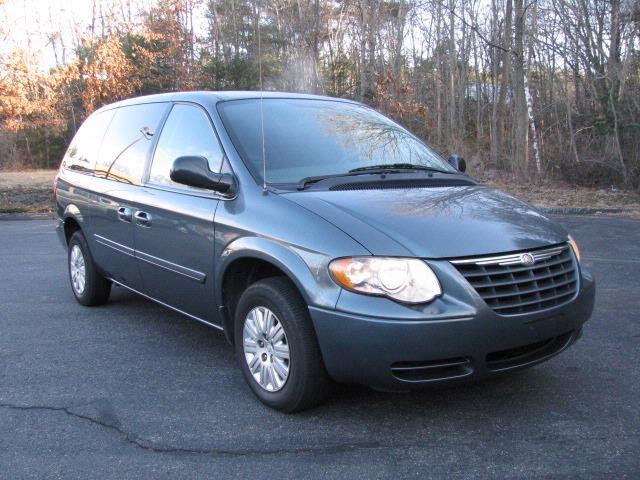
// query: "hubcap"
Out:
[266,349]
[77,270]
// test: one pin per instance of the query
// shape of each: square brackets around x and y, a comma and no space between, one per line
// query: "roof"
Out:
[215,97]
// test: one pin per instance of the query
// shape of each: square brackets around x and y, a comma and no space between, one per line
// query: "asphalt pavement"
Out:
[133,390]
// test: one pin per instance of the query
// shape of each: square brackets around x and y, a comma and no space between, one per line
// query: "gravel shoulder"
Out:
[27,191]
[560,197]
[30,191]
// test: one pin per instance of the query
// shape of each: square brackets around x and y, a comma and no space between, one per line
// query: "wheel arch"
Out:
[248,260]
[72,220]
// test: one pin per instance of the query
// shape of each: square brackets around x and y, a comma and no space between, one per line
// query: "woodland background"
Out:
[533,88]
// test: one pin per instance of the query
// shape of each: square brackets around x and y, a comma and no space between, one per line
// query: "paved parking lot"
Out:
[134,390]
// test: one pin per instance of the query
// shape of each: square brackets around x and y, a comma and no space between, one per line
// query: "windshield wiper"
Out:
[386,167]
[309,180]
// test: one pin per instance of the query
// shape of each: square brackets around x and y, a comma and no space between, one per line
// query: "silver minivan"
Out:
[326,241]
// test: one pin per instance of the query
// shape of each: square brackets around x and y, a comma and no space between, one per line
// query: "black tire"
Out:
[307,383]
[96,288]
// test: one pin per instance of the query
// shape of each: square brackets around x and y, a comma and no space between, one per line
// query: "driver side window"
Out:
[187,131]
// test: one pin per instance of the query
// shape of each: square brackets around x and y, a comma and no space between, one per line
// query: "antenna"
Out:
[264,155]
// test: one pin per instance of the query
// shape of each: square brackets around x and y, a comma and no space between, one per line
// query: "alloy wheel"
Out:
[78,270]
[266,349]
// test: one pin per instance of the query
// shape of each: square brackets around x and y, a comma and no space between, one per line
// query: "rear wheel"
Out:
[276,346]
[88,286]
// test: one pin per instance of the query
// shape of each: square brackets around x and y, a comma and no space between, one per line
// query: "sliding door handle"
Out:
[124,214]
[143,219]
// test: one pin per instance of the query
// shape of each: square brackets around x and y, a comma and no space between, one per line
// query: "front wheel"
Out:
[88,286]
[277,348]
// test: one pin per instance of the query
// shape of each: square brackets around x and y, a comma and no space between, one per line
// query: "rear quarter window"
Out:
[82,154]
[127,143]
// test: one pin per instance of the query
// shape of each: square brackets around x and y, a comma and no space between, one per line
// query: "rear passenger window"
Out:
[127,142]
[187,131]
[82,154]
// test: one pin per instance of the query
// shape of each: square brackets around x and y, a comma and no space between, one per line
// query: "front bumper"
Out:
[457,337]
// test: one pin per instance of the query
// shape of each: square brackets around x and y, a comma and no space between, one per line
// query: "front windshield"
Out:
[308,138]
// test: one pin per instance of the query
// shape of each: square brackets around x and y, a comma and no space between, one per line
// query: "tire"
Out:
[307,382]
[95,289]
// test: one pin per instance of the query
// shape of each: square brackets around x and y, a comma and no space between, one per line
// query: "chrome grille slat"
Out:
[498,270]
[511,288]
[511,258]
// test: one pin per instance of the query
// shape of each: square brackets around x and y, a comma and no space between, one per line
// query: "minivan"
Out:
[326,241]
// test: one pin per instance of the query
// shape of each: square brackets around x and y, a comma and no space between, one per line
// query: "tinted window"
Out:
[187,131]
[127,142]
[82,154]
[306,138]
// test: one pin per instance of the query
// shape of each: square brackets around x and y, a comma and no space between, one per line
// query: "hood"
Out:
[438,222]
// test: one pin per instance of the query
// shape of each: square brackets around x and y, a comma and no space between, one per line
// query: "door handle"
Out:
[143,219]
[124,214]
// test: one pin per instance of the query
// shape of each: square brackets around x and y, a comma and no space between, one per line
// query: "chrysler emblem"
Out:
[527,259]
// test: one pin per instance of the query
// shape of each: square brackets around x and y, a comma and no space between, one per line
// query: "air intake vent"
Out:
[429,371]
[523,282]
[403,184]
[526,354]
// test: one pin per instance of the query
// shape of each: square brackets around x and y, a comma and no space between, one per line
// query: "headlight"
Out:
[404,279]
[574,246]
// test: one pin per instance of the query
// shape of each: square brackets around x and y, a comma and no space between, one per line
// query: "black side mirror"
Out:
[194,172]
[457,162]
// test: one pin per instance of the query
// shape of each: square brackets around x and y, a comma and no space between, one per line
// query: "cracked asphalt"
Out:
[132,389]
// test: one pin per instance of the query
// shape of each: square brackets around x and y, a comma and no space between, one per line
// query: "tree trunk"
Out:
[500,107]
[453,128]
[397,61]
[521,130]
[532,122]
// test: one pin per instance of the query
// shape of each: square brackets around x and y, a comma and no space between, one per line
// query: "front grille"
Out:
[510,287]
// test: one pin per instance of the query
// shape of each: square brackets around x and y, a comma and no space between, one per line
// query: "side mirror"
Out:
[194,172]
[457,162]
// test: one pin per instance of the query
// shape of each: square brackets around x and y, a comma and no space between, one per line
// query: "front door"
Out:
[174,231]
